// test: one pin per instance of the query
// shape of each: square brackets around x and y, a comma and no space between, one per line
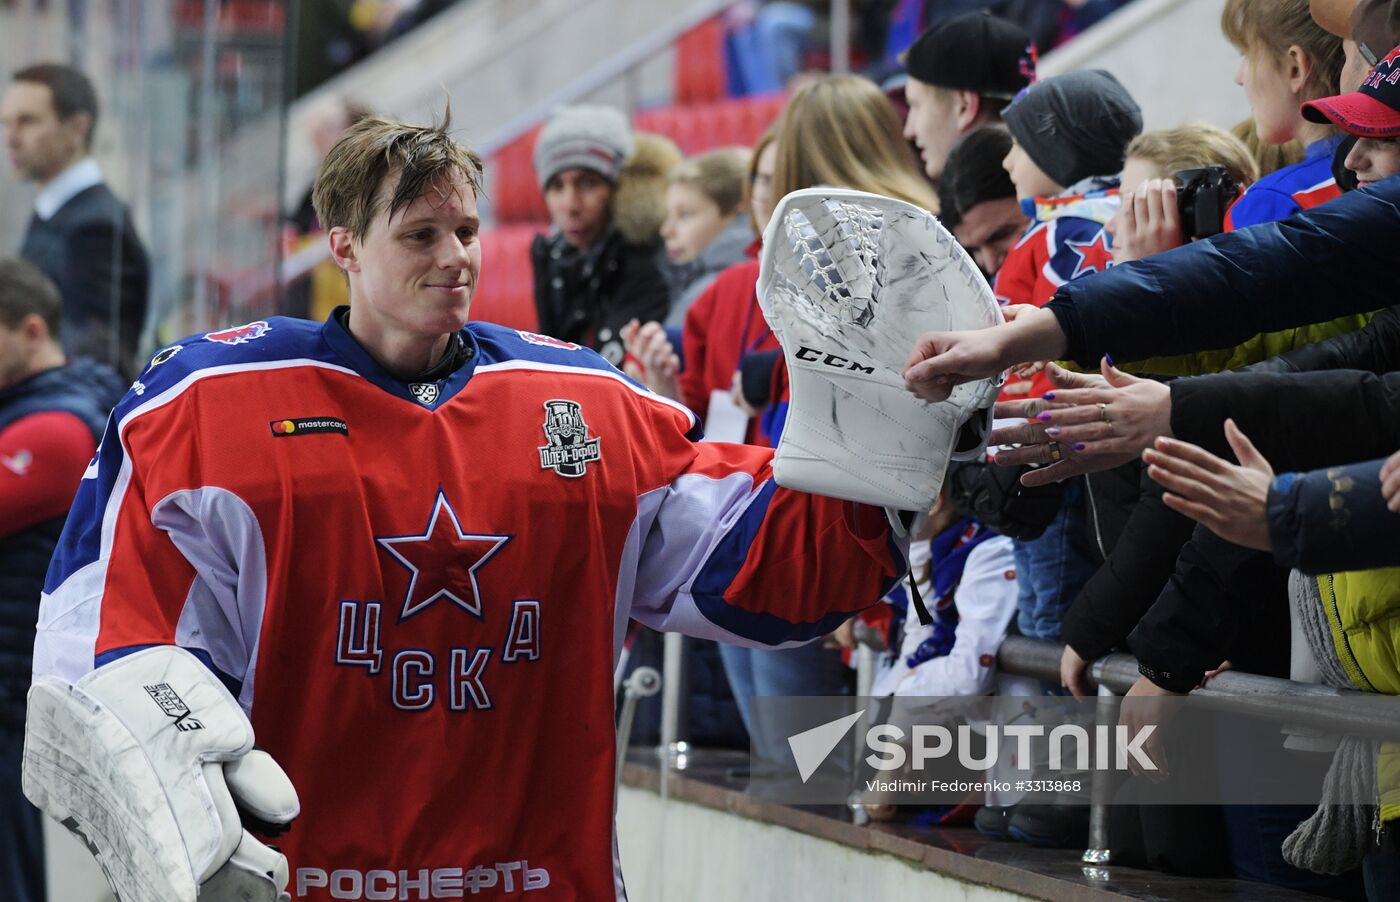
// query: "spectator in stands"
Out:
[706,229]
[1197,299]
[1070,134]
[978,201]
[967,577]
[51,417]
[766,42]
[962,74]
[591,276]
[706,232]
[1287,59]
[80,235]
[723,326]
[979,206]
[1149,222]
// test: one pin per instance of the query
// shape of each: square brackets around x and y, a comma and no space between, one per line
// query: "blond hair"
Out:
[1195,145]
[717,174]
[348,190]
[1272,26]
[840,130]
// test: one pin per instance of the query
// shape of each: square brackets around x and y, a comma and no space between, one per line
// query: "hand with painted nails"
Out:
[1390,483]
[1053,433]
[1117,414]
[942,360]
[1231,500]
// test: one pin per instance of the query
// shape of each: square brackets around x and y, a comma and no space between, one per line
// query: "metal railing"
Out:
[1297,704]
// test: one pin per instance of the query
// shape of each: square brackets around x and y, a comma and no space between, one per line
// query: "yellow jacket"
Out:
[1363,610]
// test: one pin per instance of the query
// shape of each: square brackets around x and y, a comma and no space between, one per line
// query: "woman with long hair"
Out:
[842,131]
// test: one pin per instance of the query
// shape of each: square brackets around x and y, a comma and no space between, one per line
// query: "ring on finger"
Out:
[1055,455]
[1103,412]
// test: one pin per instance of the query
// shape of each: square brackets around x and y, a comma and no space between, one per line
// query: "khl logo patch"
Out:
[425,392]
[570,450]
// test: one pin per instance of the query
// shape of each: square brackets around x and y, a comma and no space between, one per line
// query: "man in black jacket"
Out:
[51,418]
[590,278]
[80,235]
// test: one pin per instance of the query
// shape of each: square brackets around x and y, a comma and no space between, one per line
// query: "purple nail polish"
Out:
[1109,358]
[1053,431]
[1078,446]
[1044,417]
[1049,396]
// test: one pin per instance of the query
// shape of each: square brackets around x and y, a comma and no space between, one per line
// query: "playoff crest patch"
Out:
[570,450]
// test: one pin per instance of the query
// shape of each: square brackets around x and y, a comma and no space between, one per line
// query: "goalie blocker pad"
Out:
[848,281]
[143,759]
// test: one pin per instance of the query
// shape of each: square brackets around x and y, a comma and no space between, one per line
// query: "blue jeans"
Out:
[21,829]
[805,670]
[1052,569]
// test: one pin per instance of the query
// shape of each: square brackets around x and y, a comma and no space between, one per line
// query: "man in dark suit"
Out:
[80,235]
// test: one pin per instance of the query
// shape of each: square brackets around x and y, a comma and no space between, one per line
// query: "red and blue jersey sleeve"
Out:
[723,552]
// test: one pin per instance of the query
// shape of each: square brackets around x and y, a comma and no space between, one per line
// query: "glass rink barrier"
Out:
[189,136]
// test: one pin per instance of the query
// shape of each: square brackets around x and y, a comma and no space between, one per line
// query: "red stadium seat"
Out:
[515,196]
[507,291]
[700,64]
[701,127]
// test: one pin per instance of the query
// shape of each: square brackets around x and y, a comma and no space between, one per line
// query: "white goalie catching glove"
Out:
[150,761]
[848,281]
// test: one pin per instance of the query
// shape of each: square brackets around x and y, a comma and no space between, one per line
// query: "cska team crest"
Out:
[570,450]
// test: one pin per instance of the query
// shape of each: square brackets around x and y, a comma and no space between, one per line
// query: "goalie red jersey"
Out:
[416,591]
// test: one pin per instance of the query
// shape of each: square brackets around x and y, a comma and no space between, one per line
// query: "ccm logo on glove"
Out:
[840,363]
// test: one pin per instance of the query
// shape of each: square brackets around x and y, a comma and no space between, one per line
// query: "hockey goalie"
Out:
[336,609]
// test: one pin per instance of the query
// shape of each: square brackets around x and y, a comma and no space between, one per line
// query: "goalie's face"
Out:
[413,275]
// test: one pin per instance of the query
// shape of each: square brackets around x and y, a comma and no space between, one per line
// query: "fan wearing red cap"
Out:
[1372,113]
